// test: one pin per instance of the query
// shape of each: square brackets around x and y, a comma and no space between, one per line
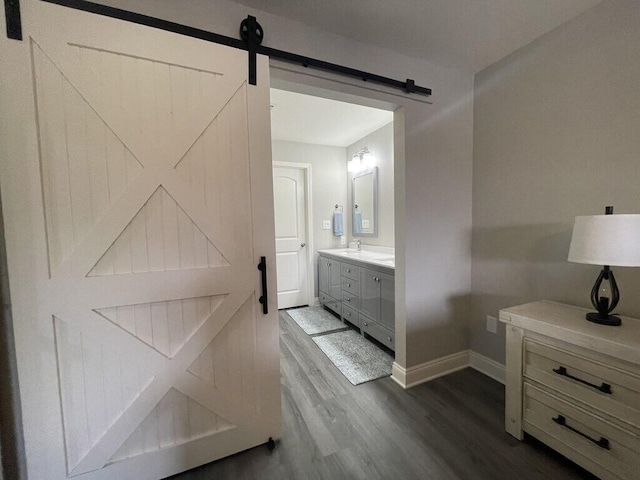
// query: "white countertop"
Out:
[379,259]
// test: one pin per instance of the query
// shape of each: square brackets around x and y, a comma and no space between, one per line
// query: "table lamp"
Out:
[608,240]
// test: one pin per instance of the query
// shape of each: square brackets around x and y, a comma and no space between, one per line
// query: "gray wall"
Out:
[328,187]
[380,144]
[556,134]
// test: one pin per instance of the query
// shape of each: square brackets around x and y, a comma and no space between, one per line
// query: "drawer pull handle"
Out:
[602,443]
[365,324]
[604,388]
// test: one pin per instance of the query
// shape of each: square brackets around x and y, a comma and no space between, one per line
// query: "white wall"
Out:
[557,134]
[433,177]
[380,144]
[328,187]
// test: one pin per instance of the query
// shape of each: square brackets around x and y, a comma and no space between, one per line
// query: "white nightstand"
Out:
[575,386]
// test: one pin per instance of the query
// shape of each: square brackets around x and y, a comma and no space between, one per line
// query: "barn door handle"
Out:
[262,266]
[604,388]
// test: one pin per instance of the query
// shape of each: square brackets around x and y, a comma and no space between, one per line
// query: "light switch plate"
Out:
[326,224]
[365,223]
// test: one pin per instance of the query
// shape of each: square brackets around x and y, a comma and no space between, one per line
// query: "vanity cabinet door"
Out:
[335,280]
[323,274]
[370,293]
[329,279]
[387,301]
[377,297]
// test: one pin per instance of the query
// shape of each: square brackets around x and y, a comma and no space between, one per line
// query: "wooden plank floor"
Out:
[450,428]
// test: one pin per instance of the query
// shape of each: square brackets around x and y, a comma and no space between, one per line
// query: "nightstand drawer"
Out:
[606,387]
[349,271]
[351,286]
[350,315]
[351,300]
[599,446]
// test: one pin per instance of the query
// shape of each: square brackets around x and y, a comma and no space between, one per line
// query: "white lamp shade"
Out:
[612,240]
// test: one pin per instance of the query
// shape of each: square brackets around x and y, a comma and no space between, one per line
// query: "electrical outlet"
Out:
[492,324]
[343,240]
[365,223]
[326,224]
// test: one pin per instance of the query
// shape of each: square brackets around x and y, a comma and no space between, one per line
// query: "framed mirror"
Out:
[364,209]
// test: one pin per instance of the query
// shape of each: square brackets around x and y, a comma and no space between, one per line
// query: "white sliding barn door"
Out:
[136,185]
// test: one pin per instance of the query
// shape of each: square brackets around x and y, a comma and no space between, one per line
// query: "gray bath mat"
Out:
[314,320]
[357,358]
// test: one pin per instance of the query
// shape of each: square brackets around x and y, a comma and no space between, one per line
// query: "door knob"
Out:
[303,245]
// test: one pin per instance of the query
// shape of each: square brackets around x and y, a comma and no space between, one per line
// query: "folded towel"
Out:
[338,224]
[357,223]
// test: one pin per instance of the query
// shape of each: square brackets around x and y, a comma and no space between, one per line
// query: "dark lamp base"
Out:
[612,320]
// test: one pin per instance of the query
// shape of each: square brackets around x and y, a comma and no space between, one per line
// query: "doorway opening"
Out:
[317,147]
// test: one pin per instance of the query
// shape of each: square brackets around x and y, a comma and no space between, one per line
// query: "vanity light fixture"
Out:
[354,165]
[606,240]
[361,160]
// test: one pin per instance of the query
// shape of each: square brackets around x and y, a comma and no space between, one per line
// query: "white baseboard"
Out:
[488,366]
[425,372]
[412,376]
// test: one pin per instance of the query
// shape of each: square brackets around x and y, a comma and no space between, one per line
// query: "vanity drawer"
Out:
[599,446]
[350,315]
[349,271]
[330,303]
[351,300]
[350,285]
[378,332]
[605,386]
[324,298]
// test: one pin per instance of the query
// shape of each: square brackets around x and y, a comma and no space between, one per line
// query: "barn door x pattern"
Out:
[145,174]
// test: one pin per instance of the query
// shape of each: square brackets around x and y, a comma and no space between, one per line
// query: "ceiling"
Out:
[302,118]
[464,34]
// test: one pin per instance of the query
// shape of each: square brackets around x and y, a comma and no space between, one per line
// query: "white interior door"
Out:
[136,210]
[291,236]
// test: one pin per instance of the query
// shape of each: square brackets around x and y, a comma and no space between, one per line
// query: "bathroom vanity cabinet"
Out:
[361,293]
